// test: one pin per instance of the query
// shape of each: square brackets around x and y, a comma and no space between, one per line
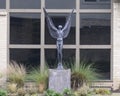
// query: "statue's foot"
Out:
[60,67]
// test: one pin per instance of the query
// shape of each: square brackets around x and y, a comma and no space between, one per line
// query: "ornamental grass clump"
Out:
[16,73]
[40,78]
[83,74]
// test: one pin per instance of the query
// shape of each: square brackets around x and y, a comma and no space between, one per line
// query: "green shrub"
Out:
[68,92]
[52,93]
[3,92]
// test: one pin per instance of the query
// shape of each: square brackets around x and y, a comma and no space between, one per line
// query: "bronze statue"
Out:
[59,34]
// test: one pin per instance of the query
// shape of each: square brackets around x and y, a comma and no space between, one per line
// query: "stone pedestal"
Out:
[59,79]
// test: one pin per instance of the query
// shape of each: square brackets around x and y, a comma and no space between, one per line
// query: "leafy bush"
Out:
[3,92]
[52,93]
[83,75]
[68,92]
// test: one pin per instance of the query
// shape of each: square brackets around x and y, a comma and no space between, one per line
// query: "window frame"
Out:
[42,46]
[96,2]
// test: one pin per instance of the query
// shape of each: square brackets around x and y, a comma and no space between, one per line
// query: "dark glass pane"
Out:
[95,4]
[60,19]
[25,4]
[60,4]
[90,0]
[2,4]
[51,57]
[95,29]
[29,57]
[24,28]
[100,58]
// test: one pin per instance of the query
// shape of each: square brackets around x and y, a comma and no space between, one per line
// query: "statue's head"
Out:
[59,26]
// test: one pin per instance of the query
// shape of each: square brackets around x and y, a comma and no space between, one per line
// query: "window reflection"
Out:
[25,4]
[95,29]
[29,57]
[51,57]
[24,28]
[60,19]
[2,4]
[60,4]
[100,58]
[95,4]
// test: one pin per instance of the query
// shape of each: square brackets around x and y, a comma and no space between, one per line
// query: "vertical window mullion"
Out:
[42,36]
[77,33]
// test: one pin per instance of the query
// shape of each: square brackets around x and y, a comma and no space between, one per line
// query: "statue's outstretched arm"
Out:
[52,28]
[67,26]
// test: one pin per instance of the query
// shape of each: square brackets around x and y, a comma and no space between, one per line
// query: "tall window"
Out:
[89,39]
[95,35]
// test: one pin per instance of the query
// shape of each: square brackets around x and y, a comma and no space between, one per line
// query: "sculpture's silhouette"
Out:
[59,34]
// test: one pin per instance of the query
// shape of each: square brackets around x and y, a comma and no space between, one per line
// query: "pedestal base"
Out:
[59,79]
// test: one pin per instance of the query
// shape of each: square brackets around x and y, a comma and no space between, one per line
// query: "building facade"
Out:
[93,38]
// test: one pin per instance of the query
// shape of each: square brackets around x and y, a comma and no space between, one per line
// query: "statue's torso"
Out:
[60,35]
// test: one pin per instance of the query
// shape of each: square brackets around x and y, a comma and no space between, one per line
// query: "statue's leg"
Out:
[58,56]
[59,53]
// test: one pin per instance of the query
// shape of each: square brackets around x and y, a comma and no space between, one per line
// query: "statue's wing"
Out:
[67,26]
[52,29]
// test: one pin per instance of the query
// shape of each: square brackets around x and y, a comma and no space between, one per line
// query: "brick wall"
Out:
[3,45]
[116,44]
